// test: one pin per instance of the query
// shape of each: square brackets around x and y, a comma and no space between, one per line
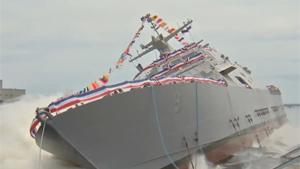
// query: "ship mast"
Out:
[160,42]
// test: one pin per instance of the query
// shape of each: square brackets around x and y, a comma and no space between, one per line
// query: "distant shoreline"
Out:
[292,105]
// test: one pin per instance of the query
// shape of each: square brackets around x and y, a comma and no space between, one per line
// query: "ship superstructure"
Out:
[211,64]
[189,100]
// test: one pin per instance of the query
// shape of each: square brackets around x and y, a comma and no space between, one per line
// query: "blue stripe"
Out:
[94,91]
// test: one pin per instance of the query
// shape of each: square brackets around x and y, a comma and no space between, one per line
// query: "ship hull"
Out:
[154,126]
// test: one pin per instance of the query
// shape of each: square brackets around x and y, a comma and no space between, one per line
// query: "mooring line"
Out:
[160,131]
[41,145]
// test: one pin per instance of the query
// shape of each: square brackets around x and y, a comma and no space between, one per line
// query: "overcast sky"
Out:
[51,46]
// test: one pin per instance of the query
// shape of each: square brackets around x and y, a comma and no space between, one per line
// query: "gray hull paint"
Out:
[122,131]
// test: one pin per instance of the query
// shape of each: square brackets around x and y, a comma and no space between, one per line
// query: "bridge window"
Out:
[241,80]
[175,62]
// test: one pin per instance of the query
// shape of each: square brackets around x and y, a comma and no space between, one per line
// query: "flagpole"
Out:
[153,27]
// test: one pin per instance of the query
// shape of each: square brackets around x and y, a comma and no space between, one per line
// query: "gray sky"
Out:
[52,46]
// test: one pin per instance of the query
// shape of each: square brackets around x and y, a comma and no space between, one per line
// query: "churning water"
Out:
[19,151]
[269,154]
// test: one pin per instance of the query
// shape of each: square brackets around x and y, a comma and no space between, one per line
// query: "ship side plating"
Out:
[103,135]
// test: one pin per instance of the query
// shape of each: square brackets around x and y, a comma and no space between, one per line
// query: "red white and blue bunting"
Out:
[63,104]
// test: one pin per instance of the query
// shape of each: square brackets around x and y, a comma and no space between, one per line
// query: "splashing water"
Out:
[269,155]
[18,150]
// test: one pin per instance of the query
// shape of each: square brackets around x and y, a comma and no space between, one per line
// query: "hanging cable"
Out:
[197,113]
[189,152]
[159,129]
[41,145]
[197,119]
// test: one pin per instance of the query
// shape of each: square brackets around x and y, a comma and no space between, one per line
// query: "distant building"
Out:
[8,94]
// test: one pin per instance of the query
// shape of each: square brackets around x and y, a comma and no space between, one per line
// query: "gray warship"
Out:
[191,100]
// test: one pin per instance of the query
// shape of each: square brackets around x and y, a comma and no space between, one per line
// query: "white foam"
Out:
[17,149]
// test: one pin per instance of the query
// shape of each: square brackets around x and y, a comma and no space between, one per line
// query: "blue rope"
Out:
[160,131]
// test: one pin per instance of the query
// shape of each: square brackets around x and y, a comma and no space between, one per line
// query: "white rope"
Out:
[160,131]
[41,145]
[197,116]
[197,110]
[189,152]
[197,121]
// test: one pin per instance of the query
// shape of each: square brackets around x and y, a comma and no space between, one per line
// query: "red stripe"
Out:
[33,127]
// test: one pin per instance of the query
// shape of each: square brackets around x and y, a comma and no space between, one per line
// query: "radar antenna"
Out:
[160,42]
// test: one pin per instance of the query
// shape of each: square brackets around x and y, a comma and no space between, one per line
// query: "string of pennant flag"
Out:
[156,23]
